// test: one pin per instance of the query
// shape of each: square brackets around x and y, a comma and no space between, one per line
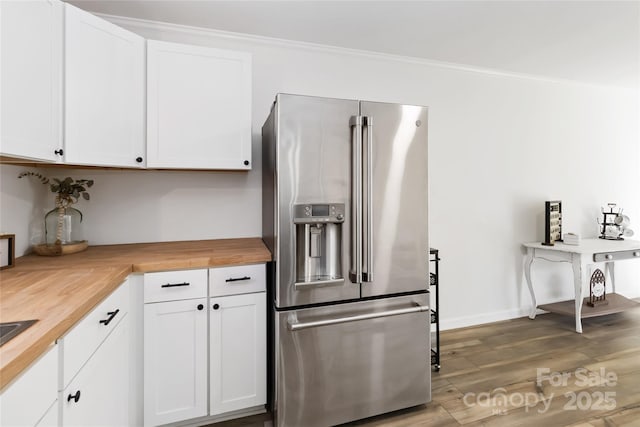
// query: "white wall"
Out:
[500,145]
[23,204]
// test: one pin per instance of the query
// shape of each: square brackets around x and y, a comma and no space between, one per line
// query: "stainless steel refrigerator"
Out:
[345,217]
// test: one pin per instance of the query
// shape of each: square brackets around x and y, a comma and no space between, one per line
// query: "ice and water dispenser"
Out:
[318,244]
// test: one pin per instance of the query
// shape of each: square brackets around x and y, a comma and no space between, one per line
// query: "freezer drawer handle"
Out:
[238,279]
[299,326]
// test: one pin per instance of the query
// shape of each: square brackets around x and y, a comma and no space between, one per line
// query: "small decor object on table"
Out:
[614,225]
[571,239]
[7,250]
[597,288]
[552,222]
[62,224]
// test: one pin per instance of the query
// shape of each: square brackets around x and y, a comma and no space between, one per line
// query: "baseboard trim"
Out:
[481,319]
[496,316]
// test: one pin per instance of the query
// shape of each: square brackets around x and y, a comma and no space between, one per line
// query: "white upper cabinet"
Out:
[104,92]
[31,79]
[198,107]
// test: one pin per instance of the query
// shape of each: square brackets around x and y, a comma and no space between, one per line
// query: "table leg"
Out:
[609,268]
[527,274]
[578,275]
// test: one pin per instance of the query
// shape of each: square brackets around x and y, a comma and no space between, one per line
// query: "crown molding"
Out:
[145,24]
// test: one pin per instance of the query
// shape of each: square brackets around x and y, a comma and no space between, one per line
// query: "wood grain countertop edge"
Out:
[36,348]
[195,254]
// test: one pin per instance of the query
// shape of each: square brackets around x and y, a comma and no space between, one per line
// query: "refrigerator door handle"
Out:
[295,326]
[367,273]
[355,271]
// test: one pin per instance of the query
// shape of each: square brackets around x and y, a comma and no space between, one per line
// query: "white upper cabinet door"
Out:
[198,107]
[238,352]
[104,92]
[31,79]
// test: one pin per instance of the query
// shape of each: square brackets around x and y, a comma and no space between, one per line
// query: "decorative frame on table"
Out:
[597,287]
[552,222]
[7,251]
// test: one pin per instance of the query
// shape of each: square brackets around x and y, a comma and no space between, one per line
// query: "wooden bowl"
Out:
[56,250]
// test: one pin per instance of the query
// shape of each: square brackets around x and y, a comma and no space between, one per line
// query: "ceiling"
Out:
[594,42]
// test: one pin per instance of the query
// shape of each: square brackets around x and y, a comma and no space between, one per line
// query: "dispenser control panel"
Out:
[318,213]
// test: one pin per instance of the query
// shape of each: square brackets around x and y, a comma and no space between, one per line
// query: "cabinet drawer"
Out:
[243,279]
[27,399]
[616,256]
[175,285]
[83,340]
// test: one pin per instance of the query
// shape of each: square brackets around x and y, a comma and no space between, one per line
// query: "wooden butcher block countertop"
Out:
[59,291]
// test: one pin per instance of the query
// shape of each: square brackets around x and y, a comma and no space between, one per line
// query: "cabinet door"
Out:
[175,361]
[198,107]
[238,352]
[50,419]
[31,78]
[104,92]
[99,394]
[30,396]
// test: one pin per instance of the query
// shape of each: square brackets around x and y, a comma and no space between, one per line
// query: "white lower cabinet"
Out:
[175,369]
[50,419]
[238,352]
[28,400]
[175,346]
[94,367]
[204,344]
[99,394]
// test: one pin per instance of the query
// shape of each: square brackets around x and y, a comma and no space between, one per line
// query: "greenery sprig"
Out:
[68,190]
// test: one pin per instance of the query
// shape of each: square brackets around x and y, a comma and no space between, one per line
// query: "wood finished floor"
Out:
[506,355]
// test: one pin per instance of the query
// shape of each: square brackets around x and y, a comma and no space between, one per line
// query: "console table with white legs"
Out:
[589,251]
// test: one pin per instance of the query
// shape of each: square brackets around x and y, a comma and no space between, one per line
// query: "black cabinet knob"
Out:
[246,162]
[139,159]
[60,152]
[200,306]
[216,306]
[74,397]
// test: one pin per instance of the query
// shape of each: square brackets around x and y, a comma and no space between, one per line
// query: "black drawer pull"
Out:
[237,279]
[74,397]
[175,285]
[111,314]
